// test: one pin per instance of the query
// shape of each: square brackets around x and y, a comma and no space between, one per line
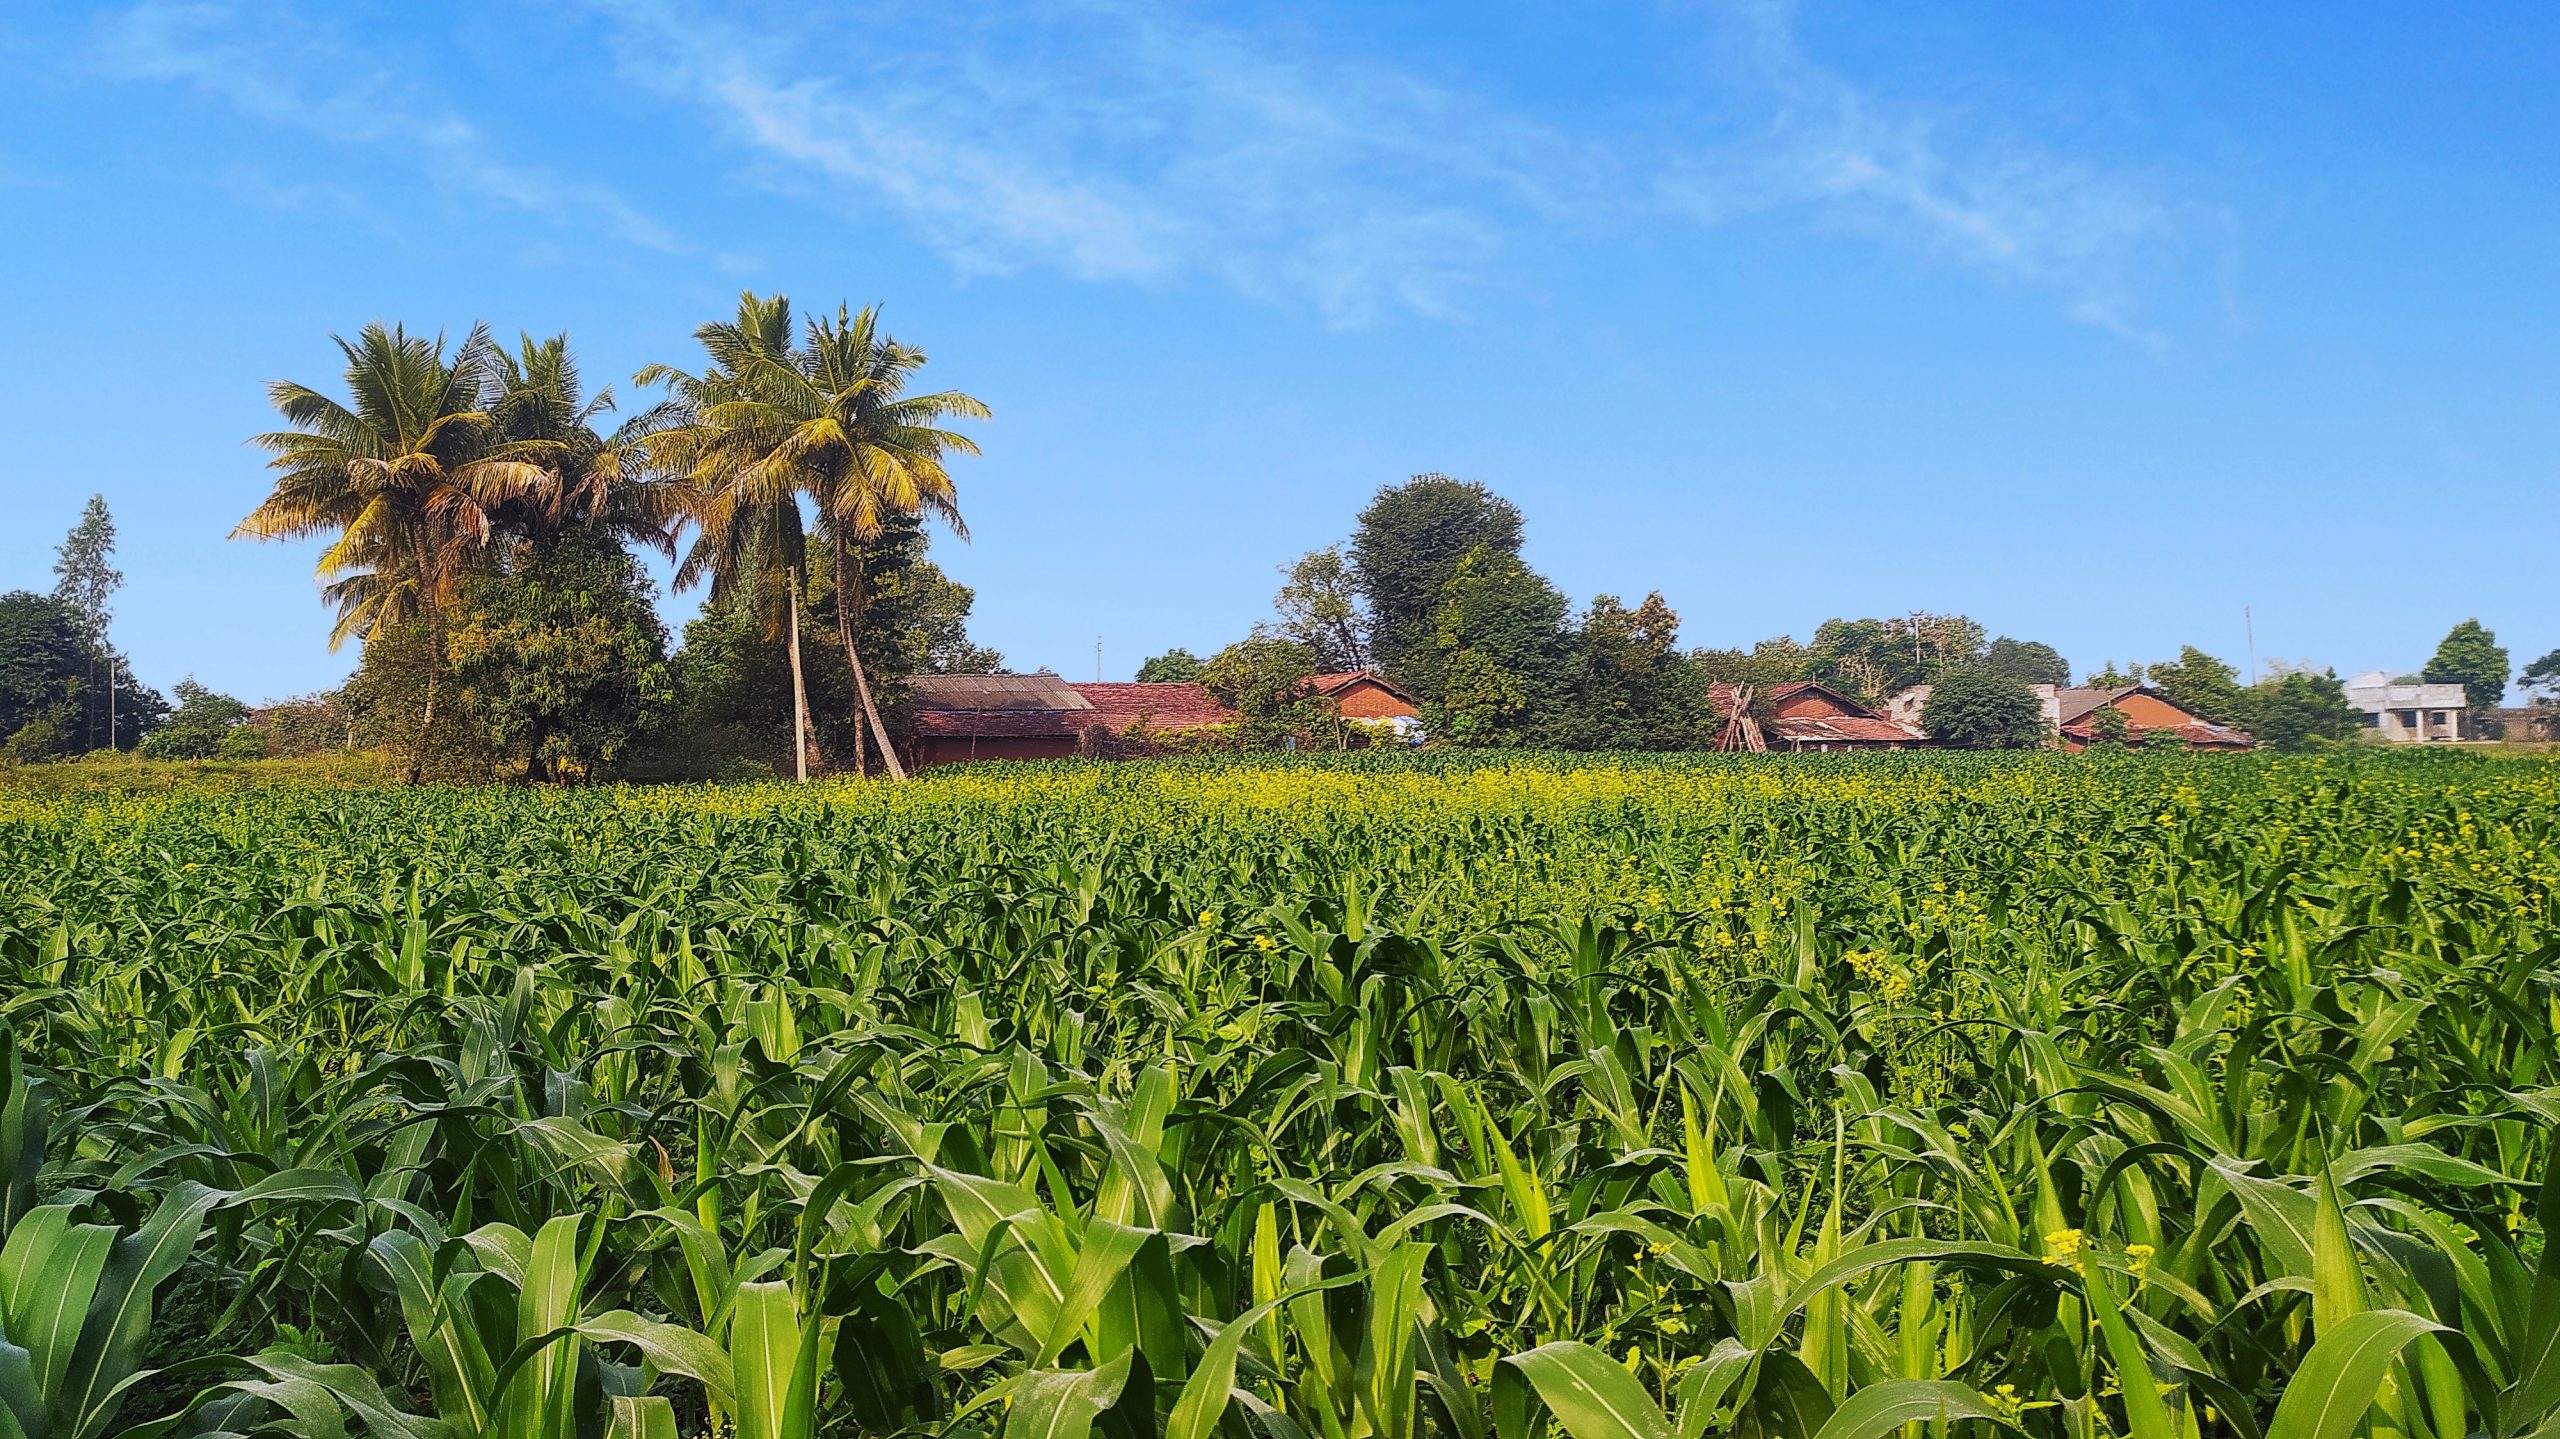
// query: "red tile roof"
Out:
[1334,684]
[1845,729]
[1002,724]
[1159,706]
[2200,735]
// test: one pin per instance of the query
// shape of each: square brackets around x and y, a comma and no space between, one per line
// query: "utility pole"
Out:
[2249,626]
[1097,659]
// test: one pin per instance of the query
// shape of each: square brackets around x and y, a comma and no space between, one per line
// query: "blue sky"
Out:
[2097,321]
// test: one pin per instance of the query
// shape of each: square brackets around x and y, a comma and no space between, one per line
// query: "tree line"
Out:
[484,515]
[1431,591]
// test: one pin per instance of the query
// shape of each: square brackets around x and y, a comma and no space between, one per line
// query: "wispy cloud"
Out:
[1138,141]
[1128,140]
[266,63]
[1997,202]
[1123,142]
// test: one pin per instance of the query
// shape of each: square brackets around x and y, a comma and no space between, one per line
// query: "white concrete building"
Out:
[2411,713]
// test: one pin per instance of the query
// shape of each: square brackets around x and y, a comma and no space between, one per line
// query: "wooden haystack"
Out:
[1741,731]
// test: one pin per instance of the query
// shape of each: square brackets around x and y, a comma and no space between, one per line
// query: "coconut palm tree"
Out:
[831,421]
[866,450]
[600,480]
[406,474]
[748,537]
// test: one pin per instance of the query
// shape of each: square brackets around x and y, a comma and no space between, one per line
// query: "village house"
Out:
[2411,713]
[1808,717]
[2071,716]
[970,717]
[1372,698]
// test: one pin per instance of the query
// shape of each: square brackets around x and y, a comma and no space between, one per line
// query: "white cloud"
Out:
[1136,141]
[1121,142]
[267,64]
[1995,202]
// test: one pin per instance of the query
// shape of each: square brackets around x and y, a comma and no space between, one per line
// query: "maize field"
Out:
[1336,1098]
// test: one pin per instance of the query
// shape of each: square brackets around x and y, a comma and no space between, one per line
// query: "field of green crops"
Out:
[1785,1098]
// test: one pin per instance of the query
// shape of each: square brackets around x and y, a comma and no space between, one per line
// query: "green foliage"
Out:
[1501,648]
[1322,608]
[1409,547]
[1174,666]
[2109,726]
[1876,659]
[2542,677]
[2471,657]
[1437,1097]
[1264,680]
[2027,661]
[55,695]
[198,727]
[1771,662]
[2111,678]
[1628,687]
[1980,708]
[85,578]
[2202,685]
[2298,710]
[560,662]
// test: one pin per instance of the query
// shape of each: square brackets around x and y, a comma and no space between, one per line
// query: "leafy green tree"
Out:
[1174,666]
[2298,710]
[2471,657]
[42,657]
[1264,680]
[2200,684]
[1629,686]
[2542,678]
[2109,727]
[562,661]
[1410,543]
[85,576]
[200,724]
[85,582]
[409,478]
[1322,608]
[1501,649]
[1978,708]
[59,691]
[1876,659]
[2112,678]
[1773,661]
[2027,661]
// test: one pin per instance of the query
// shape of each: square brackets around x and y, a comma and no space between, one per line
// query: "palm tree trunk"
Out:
[849,580]
[799,690]
[431,592]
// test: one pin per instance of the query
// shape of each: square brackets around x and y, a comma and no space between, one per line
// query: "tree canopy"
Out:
[1982,708]
[2471,657]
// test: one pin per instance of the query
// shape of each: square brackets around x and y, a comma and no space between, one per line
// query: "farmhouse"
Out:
[2146,711]
[1371,697]
[1805,716]
[2415,713]
[966,717]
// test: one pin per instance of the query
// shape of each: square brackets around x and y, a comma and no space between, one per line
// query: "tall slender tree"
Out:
[749,542]
[830,421]
[85,579]
[408,476]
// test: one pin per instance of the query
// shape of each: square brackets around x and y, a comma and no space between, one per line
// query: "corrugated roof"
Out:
[995,692]
[2078,702]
